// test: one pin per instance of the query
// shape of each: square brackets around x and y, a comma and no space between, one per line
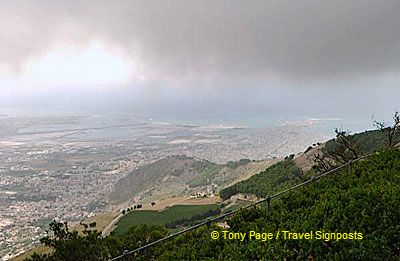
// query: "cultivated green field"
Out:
[174,213]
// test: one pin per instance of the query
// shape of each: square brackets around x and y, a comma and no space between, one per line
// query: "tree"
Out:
[391,130]
[322,162]
[348,144]
[341,150]
[71,246]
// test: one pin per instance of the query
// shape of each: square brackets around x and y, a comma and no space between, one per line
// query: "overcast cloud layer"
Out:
[228,39]
[221,61]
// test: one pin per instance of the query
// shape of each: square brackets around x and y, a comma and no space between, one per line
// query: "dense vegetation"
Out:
[172,216]
[367,141]
[364,198]
[188,221]
[274,178]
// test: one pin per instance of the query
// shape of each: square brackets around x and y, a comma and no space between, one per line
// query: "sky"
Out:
[220,61]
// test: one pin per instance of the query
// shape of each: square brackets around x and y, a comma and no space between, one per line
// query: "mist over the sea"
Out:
[350,108]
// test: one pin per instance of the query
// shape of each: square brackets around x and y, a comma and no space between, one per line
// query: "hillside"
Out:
[174,171]
[364,199]
[371,140]
[277,177]
[291,171]
[176,176]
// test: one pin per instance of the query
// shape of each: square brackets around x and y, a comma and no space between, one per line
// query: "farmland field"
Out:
[166,216]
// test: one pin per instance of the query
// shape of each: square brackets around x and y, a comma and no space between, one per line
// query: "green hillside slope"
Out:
[276,177]
[182,176]
[372,140]
[172,172]
[364,199]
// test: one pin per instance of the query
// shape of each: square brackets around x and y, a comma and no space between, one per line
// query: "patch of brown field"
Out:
[305,160]
[39,249]
[202,201]
[256,167]
[102,220]
[162,204]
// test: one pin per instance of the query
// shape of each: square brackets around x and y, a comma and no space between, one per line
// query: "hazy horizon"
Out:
[209,61]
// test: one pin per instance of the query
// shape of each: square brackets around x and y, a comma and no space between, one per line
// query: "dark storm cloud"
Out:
[249,39]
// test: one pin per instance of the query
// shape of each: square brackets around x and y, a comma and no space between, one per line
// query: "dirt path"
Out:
[110,227]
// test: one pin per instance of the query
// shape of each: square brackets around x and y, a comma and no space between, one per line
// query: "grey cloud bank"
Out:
[243,60]
[226,39]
